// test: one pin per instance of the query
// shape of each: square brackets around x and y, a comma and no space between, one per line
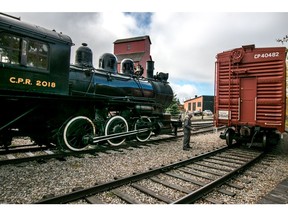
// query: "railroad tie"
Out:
[125,197]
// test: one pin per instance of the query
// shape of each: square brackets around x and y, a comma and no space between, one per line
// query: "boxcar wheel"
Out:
[115,125]
[229,137]
[143,123]
[264,141]
[75,131]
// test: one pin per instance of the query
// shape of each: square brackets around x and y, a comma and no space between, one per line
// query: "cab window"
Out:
[9,49]
[15,50]
[37,54]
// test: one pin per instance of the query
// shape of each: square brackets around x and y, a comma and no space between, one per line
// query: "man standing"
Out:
[187,132]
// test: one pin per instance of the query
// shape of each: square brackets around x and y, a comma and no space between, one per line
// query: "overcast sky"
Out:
[184,44]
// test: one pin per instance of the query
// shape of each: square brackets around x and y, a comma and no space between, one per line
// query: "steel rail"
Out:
[195,195]
[70,197]
[62,154]
[99,148]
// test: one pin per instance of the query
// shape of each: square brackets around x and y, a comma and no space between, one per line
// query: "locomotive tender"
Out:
[44,97]
[250,94]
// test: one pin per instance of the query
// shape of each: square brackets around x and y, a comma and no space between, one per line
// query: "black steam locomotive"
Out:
[72,106]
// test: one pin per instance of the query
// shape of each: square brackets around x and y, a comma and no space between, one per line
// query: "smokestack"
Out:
[150,69]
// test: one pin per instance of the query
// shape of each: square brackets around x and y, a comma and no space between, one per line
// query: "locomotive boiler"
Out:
[250,94]
[72,106]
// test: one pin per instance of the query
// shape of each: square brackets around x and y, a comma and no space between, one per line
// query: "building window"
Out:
[198,104]
[189,106]
[128,46]
[194,106]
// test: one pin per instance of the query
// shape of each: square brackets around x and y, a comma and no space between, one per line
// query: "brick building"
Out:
[200,103]
[136,48]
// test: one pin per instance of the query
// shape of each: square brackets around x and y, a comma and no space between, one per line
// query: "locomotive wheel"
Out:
[117,124]
[75,130]
[143,123]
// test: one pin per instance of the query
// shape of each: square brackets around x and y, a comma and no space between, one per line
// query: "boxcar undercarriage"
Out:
[248,135]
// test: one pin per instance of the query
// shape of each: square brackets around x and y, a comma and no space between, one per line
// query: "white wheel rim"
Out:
[107,127]
[135,128]
[66,128]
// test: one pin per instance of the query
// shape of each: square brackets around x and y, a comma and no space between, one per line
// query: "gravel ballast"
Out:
[29,182]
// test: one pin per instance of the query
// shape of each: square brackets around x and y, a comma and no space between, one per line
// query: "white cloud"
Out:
[183,44]
[101,30]
[184,92]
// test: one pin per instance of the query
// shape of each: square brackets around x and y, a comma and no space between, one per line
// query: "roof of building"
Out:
[134,56]
[204,96]
[133,39]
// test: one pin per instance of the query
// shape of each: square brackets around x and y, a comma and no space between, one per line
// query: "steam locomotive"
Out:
[73,106]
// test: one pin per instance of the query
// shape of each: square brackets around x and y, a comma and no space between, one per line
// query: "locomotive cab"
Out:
[33,59]
[34,65]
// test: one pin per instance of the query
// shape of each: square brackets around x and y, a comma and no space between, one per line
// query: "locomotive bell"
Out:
[108,62]
[84,56]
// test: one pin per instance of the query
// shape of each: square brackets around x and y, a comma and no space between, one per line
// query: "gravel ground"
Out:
[29,182]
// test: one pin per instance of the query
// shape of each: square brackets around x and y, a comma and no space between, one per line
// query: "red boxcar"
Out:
[250,94]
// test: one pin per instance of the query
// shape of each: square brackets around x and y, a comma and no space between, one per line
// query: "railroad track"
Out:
[182,182]
[30,152]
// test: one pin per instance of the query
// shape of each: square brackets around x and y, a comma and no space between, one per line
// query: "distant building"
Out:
[200,103]
[136,48]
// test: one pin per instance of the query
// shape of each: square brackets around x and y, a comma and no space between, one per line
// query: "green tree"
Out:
[173,108]
[284,39]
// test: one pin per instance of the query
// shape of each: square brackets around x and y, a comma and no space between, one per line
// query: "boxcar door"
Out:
[248,90]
